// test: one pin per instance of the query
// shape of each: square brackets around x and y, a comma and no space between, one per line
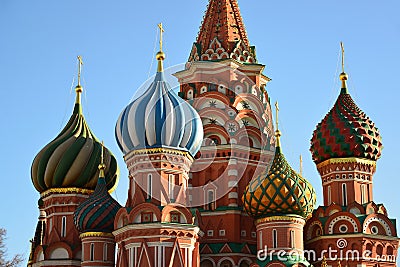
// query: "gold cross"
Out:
[301,165]
[102,152]
[342,47]
[80,63]
[277,115]
[160,26]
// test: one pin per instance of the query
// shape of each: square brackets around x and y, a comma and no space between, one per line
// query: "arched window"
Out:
[190,94]
[50,224]
[344,194]
[149,186]
[92,252]
[274,238]
[226,263]
[105,251]
[63,226]
[211,199]
[260,240]
[171,184]
[292,239]
[362,189]
[379,250]
[329,195]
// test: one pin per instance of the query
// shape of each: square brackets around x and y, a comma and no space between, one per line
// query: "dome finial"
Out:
[102,166]
[78,88]
[301,165]
[323,263]
[277,132]
[160,55]
[343,75]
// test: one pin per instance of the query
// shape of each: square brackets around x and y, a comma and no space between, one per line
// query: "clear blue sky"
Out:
[297,40]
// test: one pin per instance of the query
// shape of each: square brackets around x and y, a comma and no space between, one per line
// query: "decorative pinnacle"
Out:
[160,55]
[78,88]
[323,263]
[102,166]
[277,132]
[301,165]
[343,75]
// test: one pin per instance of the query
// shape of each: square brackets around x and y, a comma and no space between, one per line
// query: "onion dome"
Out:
[159,118]
[97,213]
[279,191]
[71,159]
[346,131]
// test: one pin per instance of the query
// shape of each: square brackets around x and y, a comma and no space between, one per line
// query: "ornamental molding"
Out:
[346,160]
[342,218]
[311,226]
[96,234]
[296,219]
[67,190]
[371,238]
[161,150]
[382,222]
[216,51]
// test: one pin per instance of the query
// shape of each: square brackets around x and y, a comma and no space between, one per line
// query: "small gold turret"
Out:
[278,133]
[343,76]
[160,56]
[323,263]
[102,166]
[78,88]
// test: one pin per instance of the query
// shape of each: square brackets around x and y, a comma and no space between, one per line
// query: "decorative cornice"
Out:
[150,151]
[67,190]
[158,225]
[357,235]
[346,160]
[292,218]
[96,234]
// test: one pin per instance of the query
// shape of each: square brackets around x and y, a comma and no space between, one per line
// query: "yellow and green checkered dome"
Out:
[71,159]
[279,191]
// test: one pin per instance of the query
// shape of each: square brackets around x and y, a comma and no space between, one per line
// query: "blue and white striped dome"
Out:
[159,118]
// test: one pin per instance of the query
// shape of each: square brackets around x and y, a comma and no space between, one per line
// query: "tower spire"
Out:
[277,132]
[160,55]
[223,29]
[78,88]
[343,75]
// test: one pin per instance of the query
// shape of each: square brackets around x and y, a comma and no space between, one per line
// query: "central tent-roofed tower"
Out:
[224,83]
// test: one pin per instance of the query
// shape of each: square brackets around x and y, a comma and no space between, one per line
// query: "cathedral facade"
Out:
[209,184]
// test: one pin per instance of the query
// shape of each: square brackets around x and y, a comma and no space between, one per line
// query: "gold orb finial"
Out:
[160,55]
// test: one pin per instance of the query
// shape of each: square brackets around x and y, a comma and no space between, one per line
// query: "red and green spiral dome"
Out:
[346,131]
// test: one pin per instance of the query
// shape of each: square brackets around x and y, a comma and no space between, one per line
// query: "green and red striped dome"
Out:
[97,213]
[346,131]
[72,158]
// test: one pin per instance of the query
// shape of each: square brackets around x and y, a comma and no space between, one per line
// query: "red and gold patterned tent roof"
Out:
[223,35]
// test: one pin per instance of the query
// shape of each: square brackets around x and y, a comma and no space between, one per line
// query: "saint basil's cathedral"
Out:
[209,184]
